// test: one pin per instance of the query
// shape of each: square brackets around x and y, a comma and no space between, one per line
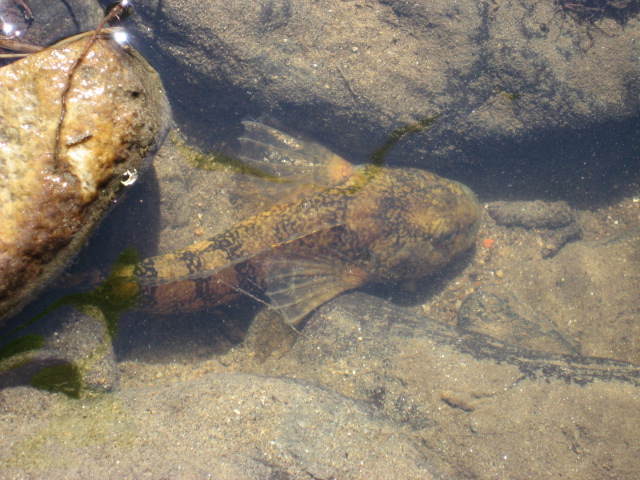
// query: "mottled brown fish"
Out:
[348,227]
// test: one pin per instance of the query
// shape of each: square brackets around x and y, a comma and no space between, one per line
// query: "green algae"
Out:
[19,351]
[216,161]
[65,378]
[377,157]
[98,423]
[107,302]
[21,345]
[510,96]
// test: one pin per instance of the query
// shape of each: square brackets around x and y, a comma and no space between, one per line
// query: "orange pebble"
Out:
[488,242]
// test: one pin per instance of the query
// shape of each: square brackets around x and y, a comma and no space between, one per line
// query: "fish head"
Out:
[424,221]
[451,222]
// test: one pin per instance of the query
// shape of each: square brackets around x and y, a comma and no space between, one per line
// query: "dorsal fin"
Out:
[299,166]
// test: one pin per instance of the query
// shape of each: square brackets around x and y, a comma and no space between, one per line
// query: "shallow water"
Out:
[517,360]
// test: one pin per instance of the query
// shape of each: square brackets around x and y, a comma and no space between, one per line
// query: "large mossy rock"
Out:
[57,182]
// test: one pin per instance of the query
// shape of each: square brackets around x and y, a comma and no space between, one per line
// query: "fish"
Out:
[337,227]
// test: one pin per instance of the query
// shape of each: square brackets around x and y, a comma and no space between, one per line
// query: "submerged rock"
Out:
[368,390]
[536,214]
[73,356]
[557,219]
[591,289]
[516,84]
[59,172]
[233,426]
[460,391]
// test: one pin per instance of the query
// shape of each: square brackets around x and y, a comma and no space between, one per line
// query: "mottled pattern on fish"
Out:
[373,224]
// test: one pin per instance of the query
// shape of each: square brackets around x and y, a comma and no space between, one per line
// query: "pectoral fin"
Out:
[296,285]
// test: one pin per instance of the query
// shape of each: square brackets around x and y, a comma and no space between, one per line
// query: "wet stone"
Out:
[590,289]
[73,356]
[58,178]
[387,63]
[556,219]
[227,426]
[536,214]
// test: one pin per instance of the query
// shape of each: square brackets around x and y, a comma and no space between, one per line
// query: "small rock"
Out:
[536,214]
[457,399]
[555,217]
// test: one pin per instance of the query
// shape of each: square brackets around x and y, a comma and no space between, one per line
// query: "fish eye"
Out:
[444,237]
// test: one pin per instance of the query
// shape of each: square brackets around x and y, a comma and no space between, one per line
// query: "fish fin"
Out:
[291,163]
[296,285]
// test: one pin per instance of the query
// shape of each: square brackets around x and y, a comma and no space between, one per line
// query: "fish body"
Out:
[363,224]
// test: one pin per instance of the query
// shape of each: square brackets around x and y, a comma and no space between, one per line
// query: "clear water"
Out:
[539,381]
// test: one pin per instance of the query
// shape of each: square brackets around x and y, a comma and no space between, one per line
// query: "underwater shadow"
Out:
[588,168]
